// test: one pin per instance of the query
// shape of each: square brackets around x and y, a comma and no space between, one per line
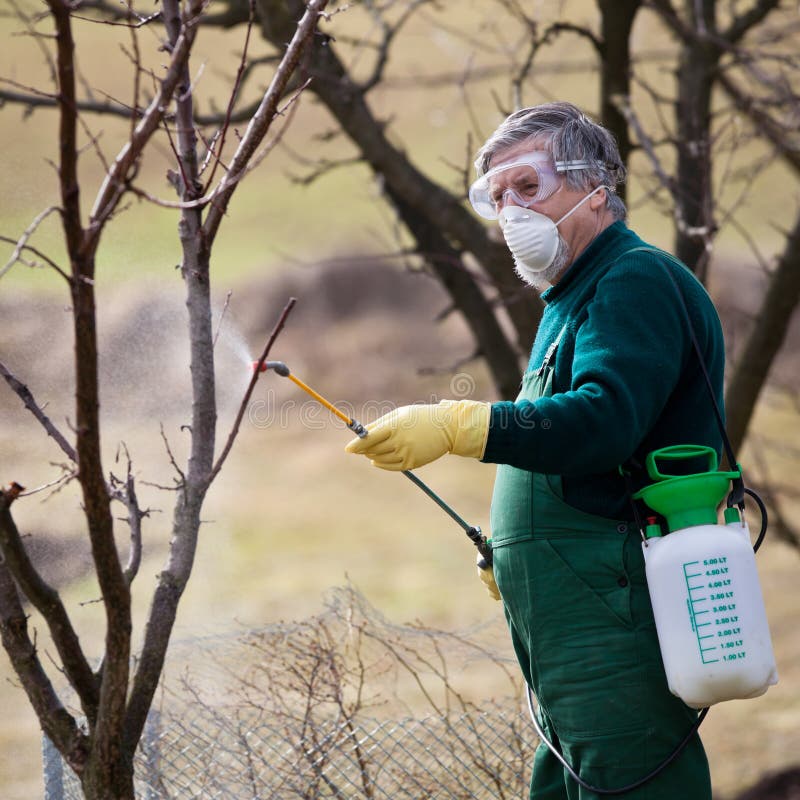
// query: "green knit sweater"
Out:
[626,380]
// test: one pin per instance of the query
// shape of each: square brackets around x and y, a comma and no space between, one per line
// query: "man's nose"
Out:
[509,198]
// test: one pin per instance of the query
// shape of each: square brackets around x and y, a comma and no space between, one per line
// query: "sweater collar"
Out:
[607,243]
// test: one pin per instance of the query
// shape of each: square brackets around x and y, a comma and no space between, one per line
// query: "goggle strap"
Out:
[566,166]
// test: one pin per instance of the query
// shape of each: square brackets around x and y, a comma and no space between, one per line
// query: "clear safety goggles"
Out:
[526,180]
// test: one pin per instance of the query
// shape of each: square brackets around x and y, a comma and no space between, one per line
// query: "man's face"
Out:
[514,181]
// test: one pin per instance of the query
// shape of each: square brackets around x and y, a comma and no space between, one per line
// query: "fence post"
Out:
[53,771]
[152,755]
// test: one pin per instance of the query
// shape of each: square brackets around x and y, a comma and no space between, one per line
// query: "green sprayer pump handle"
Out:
[681,452]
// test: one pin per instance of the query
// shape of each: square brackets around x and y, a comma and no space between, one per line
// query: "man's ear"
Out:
[599,199]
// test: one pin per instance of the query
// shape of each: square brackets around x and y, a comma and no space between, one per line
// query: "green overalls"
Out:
[576,602]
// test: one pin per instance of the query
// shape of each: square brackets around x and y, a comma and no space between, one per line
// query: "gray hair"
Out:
[569,135]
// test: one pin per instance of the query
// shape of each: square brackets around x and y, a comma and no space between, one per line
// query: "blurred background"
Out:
[291,516]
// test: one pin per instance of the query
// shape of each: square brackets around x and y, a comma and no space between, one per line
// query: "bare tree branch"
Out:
[48,603]
[263,117]
[135,516]
[771,495]
[126,494]
[615,51]
[55,720]
[771,130]
[114,184]
[68,153]
[43,100]
[140,21]
[765,340]
[323,167]
[256,373]
[24,394]
[181,477]
[60,482]
[389,34]
[111,11]
[137,72]
[745,22]
[37,37]
[106,719]
[234,95]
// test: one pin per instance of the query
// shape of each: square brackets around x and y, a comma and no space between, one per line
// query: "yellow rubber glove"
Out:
[411,436]
[486,574]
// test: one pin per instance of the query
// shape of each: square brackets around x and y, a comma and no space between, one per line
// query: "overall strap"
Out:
[550,355]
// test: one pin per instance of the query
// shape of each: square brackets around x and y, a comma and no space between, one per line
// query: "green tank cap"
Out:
[731,514]
[685,500]
[653,529]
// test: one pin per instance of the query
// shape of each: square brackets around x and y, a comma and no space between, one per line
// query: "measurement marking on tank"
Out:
[694,603]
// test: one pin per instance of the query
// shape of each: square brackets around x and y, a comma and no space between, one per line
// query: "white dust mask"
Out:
[532,237]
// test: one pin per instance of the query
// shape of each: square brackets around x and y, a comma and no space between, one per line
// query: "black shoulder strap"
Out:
[736,496]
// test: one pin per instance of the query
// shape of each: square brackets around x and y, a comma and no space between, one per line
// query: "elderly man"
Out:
[613,375]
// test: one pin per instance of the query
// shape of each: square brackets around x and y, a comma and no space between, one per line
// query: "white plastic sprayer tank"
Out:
[707,603]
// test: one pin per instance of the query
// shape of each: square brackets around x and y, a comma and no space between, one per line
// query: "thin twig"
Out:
[184,185]
[234,93]
[263,118]
[246,399]
[389,34]
[60,480]
[116,180]
[226,184]
[137,67]
[135,516]
[26,234]
[46,259]
[25,395]
[222,317]
[171,457]
[127,496]
[647,146]
[39,99]
[133,26]
[210,146]
[38,39]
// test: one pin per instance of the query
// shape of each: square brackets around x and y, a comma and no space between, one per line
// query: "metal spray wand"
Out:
[473,531]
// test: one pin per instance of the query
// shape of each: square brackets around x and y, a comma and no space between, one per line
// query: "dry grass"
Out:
[293,515]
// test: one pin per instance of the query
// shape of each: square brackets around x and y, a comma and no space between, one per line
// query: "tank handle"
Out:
[679,452]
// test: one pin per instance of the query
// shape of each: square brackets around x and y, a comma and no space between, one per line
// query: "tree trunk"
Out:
[765,340]
[195,270]
[419,194]
[617,17]
[694,211]
[104,779]
[447,263]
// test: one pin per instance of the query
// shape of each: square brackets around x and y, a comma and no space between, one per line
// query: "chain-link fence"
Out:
[344,705]
[471,756]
